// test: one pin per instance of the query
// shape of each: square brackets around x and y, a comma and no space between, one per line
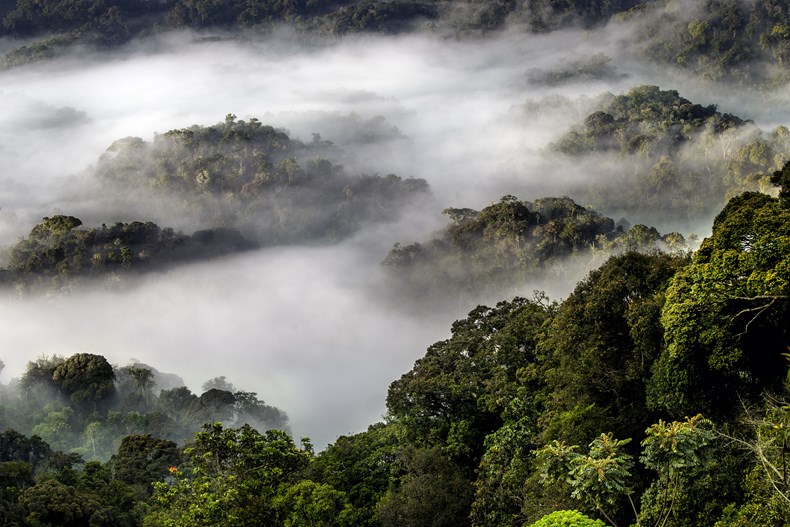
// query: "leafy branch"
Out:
[600,477]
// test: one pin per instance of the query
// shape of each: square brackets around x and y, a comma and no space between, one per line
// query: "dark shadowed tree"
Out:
[86,379]
[143,459]
[433,492]
[599,348]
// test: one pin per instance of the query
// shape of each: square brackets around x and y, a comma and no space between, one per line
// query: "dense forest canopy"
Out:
[252,176]
[509,242]
[57,253]
[670,152]
[652,390]
[624,356]
[744,40]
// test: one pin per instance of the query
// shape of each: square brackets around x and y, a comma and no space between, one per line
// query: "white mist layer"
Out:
[299,326]
[294,325]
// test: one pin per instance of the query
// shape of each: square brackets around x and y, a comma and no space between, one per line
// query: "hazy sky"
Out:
[306,328]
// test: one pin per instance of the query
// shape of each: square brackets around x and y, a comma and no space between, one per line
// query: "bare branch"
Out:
[758,309]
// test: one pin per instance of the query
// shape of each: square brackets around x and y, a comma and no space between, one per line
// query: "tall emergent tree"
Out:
[725,317]
[86,379]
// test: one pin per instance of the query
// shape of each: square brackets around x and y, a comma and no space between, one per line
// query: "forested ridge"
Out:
[250,176]
[57,254]
[673,156]
[512,241]
[655,393]
[712,39]
[249,184]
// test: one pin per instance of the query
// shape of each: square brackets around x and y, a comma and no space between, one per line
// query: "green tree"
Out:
[432,492]
[55,226]
[362,466]
[86,379]
[507,491]
[142,460]
[234,478]
[51,503]
[15,478]
[766,439]
[598,479]
[725,315]
[314,504]
[38,386]
[598,350]
[567,519]
[678,451]
[59,426]
[457,393]
[781,179]
[602,477]
[15,446]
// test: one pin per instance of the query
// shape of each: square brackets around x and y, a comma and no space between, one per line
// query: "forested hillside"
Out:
[490,427]
[58,254]
[513,241]
[713,39]
[518,263]
[672,156]
[277,190]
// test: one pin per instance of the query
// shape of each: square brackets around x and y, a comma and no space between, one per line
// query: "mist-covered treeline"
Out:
[748,41]
[246,175]
[84,405]
[655,393]
[512,242]
[58,254]
[117,19]
[671,156]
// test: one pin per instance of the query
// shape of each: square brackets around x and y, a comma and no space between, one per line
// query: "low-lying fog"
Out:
[306,328]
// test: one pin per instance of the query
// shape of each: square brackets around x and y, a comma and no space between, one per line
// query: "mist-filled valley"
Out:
[451,113]
[283,207]
[417,107]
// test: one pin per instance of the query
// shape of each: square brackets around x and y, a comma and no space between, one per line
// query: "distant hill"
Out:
[652,150]
[246,175]
[58,254]
[511,241]
[748,42]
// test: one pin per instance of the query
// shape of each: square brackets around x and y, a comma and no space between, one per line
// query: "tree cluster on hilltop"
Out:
[244,174]
[645,120]
[57,253]
[247,184]
[509,242]
[667,155]
[85,405]
[656,393]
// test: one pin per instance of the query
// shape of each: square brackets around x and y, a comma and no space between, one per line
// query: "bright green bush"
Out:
[567,519]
